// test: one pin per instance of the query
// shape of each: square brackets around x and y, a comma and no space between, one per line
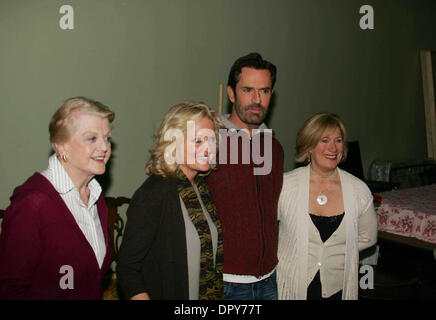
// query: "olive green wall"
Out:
[140,57]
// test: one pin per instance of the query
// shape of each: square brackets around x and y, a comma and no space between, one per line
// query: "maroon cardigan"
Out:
[40,235]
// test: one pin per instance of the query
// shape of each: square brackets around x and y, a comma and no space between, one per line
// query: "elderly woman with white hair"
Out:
[54,240]
[172,246]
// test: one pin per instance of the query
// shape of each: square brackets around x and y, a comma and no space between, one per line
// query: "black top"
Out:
[153,254]
[326,225]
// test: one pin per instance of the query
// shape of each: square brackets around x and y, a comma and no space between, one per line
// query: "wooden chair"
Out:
[2,212]
[115,223]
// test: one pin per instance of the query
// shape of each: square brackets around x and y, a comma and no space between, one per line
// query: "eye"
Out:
[245,89]
[339,140]
[325,140]
[266,90]
[92,139]
[198,140]
[108,138]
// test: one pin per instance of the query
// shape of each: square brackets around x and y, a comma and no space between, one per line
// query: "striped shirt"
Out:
[86,217]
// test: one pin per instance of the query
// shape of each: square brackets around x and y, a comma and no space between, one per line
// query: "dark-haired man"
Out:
[246,196]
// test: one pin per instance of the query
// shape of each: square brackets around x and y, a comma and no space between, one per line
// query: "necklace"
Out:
[322,198]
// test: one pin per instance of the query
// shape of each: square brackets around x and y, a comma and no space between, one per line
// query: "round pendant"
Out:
[321,199]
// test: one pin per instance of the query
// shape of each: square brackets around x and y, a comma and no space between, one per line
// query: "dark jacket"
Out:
[247,207]
[39,236]
[153,254]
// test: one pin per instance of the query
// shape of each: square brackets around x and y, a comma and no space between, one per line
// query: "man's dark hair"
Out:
[251,60]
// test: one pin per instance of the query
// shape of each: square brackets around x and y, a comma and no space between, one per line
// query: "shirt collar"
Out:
[62,182]
[58,176]
[95,189]
[231,125]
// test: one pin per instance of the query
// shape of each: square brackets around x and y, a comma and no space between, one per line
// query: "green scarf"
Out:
[211,277]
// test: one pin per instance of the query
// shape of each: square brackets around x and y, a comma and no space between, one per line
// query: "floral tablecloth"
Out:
[408,212]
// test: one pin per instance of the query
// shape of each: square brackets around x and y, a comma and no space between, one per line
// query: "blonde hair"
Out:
[311,133]
[60,126]
[177,118]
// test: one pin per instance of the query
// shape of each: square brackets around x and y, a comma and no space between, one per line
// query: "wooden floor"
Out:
[402,272]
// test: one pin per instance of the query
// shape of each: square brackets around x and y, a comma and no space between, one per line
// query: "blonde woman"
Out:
[54,239]
[326,216]
[172,246]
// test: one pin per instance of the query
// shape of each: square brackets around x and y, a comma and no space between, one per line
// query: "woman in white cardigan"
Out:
[326,217]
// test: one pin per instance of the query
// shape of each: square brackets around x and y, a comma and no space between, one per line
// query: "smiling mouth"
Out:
[99,159]
[203,159]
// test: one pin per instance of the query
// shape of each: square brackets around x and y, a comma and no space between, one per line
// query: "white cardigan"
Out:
[293,213]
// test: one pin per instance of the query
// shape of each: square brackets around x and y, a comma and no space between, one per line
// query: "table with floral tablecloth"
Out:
[408,212]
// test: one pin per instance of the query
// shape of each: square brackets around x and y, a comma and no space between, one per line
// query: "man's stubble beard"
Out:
[252,119]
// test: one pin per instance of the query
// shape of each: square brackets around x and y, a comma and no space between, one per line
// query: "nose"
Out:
[256,97]
[332,147]
[207,148]
[212,145]
[104,145]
